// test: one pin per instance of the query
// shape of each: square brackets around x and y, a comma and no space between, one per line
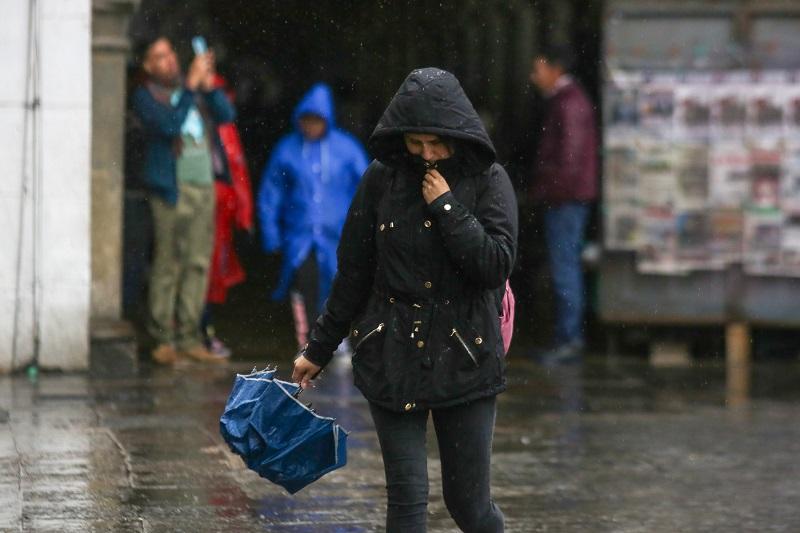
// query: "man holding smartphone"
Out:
[180,115]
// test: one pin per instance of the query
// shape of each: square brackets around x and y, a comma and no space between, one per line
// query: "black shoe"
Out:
[564,354]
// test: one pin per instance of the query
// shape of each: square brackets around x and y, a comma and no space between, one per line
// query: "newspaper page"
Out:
[726,229]
[790,179]
[658,251]
[657,180]
[622,104]
[765,107]
[693,240]
[729,174]
[729,108]
[762,241]
[766,165]
[656,105]
[693,109]
[790,246]
[691,169]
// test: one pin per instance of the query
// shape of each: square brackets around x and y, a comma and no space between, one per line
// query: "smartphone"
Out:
[199,45]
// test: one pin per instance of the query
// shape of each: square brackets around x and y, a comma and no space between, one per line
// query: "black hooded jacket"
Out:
[419,286]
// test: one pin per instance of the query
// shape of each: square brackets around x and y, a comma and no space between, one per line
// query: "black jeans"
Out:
[304,296]
[464,433]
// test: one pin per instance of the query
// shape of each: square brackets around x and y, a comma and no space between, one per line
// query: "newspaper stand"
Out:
[701,112]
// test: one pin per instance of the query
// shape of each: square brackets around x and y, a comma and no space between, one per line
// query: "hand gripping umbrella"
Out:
[277,436]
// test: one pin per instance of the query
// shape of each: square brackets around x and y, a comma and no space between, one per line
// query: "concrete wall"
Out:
[45,189]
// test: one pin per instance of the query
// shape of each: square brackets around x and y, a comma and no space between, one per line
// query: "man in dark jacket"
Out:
[564,184]
[179,117]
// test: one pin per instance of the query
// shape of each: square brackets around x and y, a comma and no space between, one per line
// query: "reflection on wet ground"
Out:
[613,446]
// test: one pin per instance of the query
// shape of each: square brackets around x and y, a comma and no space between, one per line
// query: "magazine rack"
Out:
[701,182]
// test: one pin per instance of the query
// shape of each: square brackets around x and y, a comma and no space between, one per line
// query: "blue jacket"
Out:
[162,124]
[305,192]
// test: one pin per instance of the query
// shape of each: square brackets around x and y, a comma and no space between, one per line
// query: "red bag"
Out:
[507,317]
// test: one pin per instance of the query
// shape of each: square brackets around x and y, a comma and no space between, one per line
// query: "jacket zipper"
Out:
[368,335]
[464,344]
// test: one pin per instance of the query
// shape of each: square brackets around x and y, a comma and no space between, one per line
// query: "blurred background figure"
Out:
[233,216]
[306,189]
[179,116]
[564,183]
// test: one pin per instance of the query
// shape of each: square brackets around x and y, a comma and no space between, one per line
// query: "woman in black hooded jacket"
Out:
[428,244]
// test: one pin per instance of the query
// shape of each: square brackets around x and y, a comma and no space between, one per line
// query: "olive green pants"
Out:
[184,239]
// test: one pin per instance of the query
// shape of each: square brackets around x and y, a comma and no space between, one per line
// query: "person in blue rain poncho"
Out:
[305,192]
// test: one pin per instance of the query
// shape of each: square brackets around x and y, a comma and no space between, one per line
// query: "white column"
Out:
[45,266]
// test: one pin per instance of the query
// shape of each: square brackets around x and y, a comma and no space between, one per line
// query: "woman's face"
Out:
[429,147]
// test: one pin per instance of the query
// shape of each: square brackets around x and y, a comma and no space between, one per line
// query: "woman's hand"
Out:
[433,185]
[304,371]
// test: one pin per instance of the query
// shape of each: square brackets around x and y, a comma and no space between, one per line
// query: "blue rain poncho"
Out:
[305,191]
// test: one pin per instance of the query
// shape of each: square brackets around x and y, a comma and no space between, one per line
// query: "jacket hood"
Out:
[431,100]
[317,101]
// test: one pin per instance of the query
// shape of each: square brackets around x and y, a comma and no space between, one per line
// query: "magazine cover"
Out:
[658,246]
[621,227]
[790,180]
[691,169]
[692,111]
[790,246]
[692,232]
[726,230]
[791,112]
[657,106]
[763,241]
[728,111]
[657,180]
[621,174]
[621,103]
[766,162]
[729,174]
[765,111]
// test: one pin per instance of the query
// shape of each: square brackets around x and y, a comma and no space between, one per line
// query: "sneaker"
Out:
[164,354]
[563,354]
[218,348]
[200,353]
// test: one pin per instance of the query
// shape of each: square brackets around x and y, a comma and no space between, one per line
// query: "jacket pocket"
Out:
[362,336]
[464,346]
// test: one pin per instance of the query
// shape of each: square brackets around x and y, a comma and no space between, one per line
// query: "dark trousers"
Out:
[464,433]
[564,229]
[304,296]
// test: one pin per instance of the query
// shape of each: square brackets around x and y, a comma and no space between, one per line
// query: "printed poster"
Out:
[790,180]
[691,168]
[621,174]
[729,174]
[657,180]
[763,241]
[692,111]
[765,111]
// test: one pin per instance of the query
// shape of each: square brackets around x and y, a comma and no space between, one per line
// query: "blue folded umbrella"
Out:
[277,436]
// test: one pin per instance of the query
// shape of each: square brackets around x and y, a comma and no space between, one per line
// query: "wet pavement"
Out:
[615,446]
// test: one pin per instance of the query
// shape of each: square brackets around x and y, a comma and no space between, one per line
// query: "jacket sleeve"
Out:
[358,163]
[240,175]
[355,275]
[161,119]
[575,133]
[221,108]
[484,245]
[271,194]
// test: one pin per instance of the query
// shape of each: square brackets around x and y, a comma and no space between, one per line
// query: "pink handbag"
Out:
[507,317]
